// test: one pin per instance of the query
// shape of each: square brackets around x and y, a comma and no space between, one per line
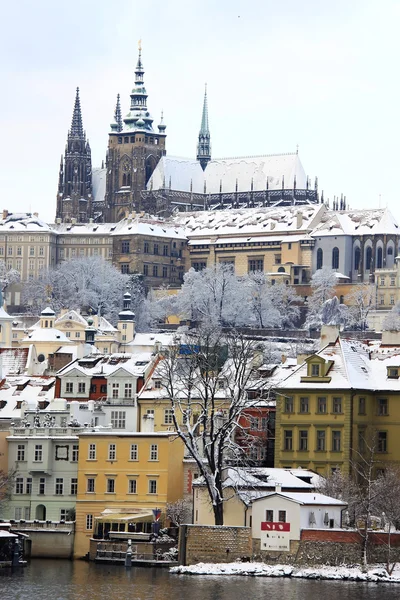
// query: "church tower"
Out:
[204,142]
[134,149]
[74,197]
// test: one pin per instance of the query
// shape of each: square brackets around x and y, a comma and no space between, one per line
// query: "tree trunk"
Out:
[219,512]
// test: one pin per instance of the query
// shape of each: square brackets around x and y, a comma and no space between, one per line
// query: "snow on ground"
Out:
[375,574]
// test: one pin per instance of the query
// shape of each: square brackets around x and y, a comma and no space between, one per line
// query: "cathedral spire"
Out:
[138,116]
[76,125]
[204,141]
[117,125]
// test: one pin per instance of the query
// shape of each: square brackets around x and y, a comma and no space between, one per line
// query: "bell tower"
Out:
[74,196]
[134,149]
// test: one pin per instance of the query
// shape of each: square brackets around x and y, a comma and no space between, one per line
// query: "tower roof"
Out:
[204,129]
[76,125]
[117,125]
[138,116]
[203,144]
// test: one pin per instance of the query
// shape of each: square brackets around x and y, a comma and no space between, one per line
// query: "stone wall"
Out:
[214,544]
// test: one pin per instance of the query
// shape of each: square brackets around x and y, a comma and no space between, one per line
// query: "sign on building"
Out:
[275,536]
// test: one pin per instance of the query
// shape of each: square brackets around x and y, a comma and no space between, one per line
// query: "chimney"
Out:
[36,214]
[5,213]
[278,487]
[90,220]
[73,221]
[283,359]
[148,423]
[58,221]
[299,219]
[329,335]
[390,338]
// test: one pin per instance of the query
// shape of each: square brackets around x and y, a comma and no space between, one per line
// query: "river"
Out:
[64,580]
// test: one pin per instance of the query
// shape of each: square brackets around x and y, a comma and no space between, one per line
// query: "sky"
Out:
[319,75]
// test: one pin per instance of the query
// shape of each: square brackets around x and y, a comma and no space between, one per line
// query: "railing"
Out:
[46,431]
[121,401]
[117,552]
[59,525]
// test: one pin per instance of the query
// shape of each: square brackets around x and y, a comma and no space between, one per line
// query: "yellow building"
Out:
[339,403]
[128,474]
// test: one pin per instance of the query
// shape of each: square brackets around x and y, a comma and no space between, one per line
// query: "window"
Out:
[157,384]
[19,485]
[361,441]
[103,387]
[152,486]
[155,270]
[165,272]
[382,441]
[146,248]
[383,407]
[278,260]
[42,486]
[392,281]
[391,300]
[269,515]
[289,405]
[335,258]
[321,440]
[134,452]
[321,405]
[168,416]
[90,485]
[199,266]
[128,390]
[165,250]
[336,441]
[256,264]
[155,248]
[145,269]
[125,247]
[368,258]
[132,486]
[320,258]
[69,386]
[282,516]
[89,518]
[337,405]
[74,486]
[304,405]
[81,388]
[118,419]
[361,406]
[59,486]
[303,440]
[315,370]
[110,486]
[125,268]
[38,453]
[153,452]
[382,281]
[21,452]
[393,373]
[254,423]
[288,439]
[92,452]
[115,390]
[112,452]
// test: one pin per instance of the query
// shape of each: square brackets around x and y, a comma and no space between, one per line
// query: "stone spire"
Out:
[117,125]
[204,141]
[76,125]
[139,117]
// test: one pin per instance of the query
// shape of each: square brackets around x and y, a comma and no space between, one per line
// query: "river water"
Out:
[64,580]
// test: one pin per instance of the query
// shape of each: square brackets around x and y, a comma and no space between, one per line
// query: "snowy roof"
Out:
[357,222]
[99,184]
[186,173]
[46,334]
[305,499]
[23,222]
[106,365]
[13,360]
[28,389]
[355,365]
[84,228]
[149,339]
[71,315]
[271,222]
[148,227]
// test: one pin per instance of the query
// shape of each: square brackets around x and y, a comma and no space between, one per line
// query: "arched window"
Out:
[320,258]
[357,256]
[124,179]
[128,179]
[379,254]
[390,251]
[368,258]
[281,270]
[335,258]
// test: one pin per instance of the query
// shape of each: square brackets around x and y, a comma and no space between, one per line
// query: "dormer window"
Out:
[393,372]
[315,369]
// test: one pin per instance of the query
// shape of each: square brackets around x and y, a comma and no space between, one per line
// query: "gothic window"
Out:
[357,256]
[368,258]
[335,258]
[128,179]
[150,166]
[379,258]
[320,258]
[124,179]
[390,251]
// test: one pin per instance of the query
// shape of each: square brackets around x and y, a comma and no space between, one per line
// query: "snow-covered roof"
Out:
[107,365]
[23,222]
[149,339]
[71,315]
[273,223]
[13,360]
[355,365]
[357,222]
[29,389]
[87,229]
[46,334]
[99,184]
[186,174]
[305,499]
[148,227]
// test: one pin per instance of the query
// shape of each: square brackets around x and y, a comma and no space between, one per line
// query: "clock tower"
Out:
[134,149]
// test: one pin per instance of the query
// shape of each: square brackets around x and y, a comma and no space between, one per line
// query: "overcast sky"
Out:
[323,75]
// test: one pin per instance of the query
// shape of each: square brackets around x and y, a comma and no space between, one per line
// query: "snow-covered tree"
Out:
[388,507]
[7,277]
[323,284]
[179,512]
[392,320]
[361,301]
[205,376]
[269,305]
[84,283]
[7,481]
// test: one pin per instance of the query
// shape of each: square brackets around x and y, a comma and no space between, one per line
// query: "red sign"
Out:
[272,526]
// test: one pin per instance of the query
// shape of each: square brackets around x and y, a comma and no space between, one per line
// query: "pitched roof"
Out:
[357,222]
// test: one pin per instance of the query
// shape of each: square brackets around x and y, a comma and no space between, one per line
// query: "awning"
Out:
[144,517]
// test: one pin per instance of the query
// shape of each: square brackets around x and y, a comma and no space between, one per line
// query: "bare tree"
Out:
[388,505]
[179,512]
[7,480]
[205,376]
[361,301]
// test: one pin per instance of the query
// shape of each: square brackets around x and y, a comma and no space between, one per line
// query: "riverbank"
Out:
[375,574]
